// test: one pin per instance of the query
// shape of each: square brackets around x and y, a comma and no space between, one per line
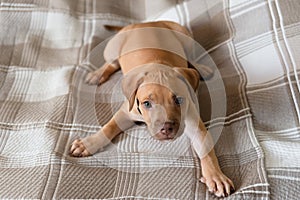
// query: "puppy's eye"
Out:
[178,100]
[147,104]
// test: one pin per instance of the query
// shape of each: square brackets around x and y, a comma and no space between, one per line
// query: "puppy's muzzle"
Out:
[168,131]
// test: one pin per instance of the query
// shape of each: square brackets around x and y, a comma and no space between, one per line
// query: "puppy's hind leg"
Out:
[102,74]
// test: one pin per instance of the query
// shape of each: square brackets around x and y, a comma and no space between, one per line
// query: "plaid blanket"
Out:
[44,104]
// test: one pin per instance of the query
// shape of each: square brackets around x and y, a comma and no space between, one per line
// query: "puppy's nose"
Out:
[168,128]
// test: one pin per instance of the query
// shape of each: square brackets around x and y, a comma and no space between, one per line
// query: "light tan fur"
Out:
[165,118]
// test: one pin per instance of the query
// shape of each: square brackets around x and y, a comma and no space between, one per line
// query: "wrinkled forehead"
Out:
[168,89]
[154,91]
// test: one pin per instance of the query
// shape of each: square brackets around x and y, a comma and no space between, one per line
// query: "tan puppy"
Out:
[158,83]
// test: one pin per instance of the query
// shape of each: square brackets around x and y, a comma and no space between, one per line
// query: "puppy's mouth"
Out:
[162,135]
[169,131]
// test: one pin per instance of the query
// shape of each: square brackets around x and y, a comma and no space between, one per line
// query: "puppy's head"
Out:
[160,95]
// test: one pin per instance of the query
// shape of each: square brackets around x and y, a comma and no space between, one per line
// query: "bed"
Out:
[46,49]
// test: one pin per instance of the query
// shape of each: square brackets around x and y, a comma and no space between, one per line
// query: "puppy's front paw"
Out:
[217,183]
[78,149]
[94,78]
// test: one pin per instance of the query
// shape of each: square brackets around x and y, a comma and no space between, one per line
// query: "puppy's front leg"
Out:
[212,176]
[102,74]
[91,144]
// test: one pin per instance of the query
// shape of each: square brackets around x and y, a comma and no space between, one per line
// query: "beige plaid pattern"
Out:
[44,103]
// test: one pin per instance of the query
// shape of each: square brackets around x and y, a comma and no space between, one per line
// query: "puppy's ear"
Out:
[191,75]
[205,72]
[195,72]
[130,85]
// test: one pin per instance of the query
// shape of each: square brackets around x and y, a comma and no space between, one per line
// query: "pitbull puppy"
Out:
[159,85]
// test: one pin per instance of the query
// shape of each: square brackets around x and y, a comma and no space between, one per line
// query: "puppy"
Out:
[159,85]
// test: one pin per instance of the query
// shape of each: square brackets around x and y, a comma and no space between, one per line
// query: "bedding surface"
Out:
[251,105]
